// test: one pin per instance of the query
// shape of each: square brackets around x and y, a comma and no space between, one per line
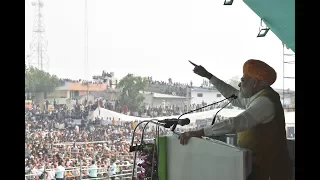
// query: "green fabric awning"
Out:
[279,16]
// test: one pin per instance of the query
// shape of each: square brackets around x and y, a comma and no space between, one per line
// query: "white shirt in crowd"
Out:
[93,171]
[112,170]
[60,170]
[259,109]
[36,171]
[76,128]
[51,174]
[26,169]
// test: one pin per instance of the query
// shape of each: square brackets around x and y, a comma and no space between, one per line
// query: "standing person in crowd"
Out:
[261,127]
[92,170]
[51,173]
[60,171]
[112,169]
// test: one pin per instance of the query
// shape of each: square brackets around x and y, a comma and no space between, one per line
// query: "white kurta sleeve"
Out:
[261,110]
[227,90]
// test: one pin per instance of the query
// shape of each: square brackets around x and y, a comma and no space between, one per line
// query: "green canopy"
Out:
[279,16]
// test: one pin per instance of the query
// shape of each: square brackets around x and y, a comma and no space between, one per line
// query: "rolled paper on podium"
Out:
[202,159]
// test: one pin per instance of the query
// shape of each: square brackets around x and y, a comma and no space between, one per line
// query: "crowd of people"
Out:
[62,144]
[103,76]
[169,87]
[56,147]
[84,82]
[157,111]
[165,87]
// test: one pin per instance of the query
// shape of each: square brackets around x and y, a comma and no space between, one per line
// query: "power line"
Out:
[86,52]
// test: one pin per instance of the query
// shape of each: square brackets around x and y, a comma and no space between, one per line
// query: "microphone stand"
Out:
[144,127]
[147,121]
[214,118]
[175,125]
[132,148]
[221,138]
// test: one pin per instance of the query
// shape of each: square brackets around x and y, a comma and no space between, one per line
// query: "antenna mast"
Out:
[38,47]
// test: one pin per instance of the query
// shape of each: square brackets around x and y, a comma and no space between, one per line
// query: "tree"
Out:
[40,81]
[234,82]
[130,94]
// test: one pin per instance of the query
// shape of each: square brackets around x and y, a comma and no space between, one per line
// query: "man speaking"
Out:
[260,128]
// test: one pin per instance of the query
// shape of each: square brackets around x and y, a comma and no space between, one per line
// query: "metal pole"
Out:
[86,61]
[38,47]
[44,177]
[65,151]
[80,167]
[188,91]
[87,91]
[283,73]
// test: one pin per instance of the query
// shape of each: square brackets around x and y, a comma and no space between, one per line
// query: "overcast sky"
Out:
[155,38]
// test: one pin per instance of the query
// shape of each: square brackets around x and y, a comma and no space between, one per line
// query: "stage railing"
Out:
[125,173]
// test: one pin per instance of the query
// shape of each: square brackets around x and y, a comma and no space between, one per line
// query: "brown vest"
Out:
[268,143]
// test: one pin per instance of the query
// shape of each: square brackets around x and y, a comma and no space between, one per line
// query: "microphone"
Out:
[169,122]
[233,98]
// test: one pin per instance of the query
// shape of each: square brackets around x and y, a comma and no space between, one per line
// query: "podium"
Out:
[202,159]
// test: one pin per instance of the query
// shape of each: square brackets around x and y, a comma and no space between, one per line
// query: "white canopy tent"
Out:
[104,113]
